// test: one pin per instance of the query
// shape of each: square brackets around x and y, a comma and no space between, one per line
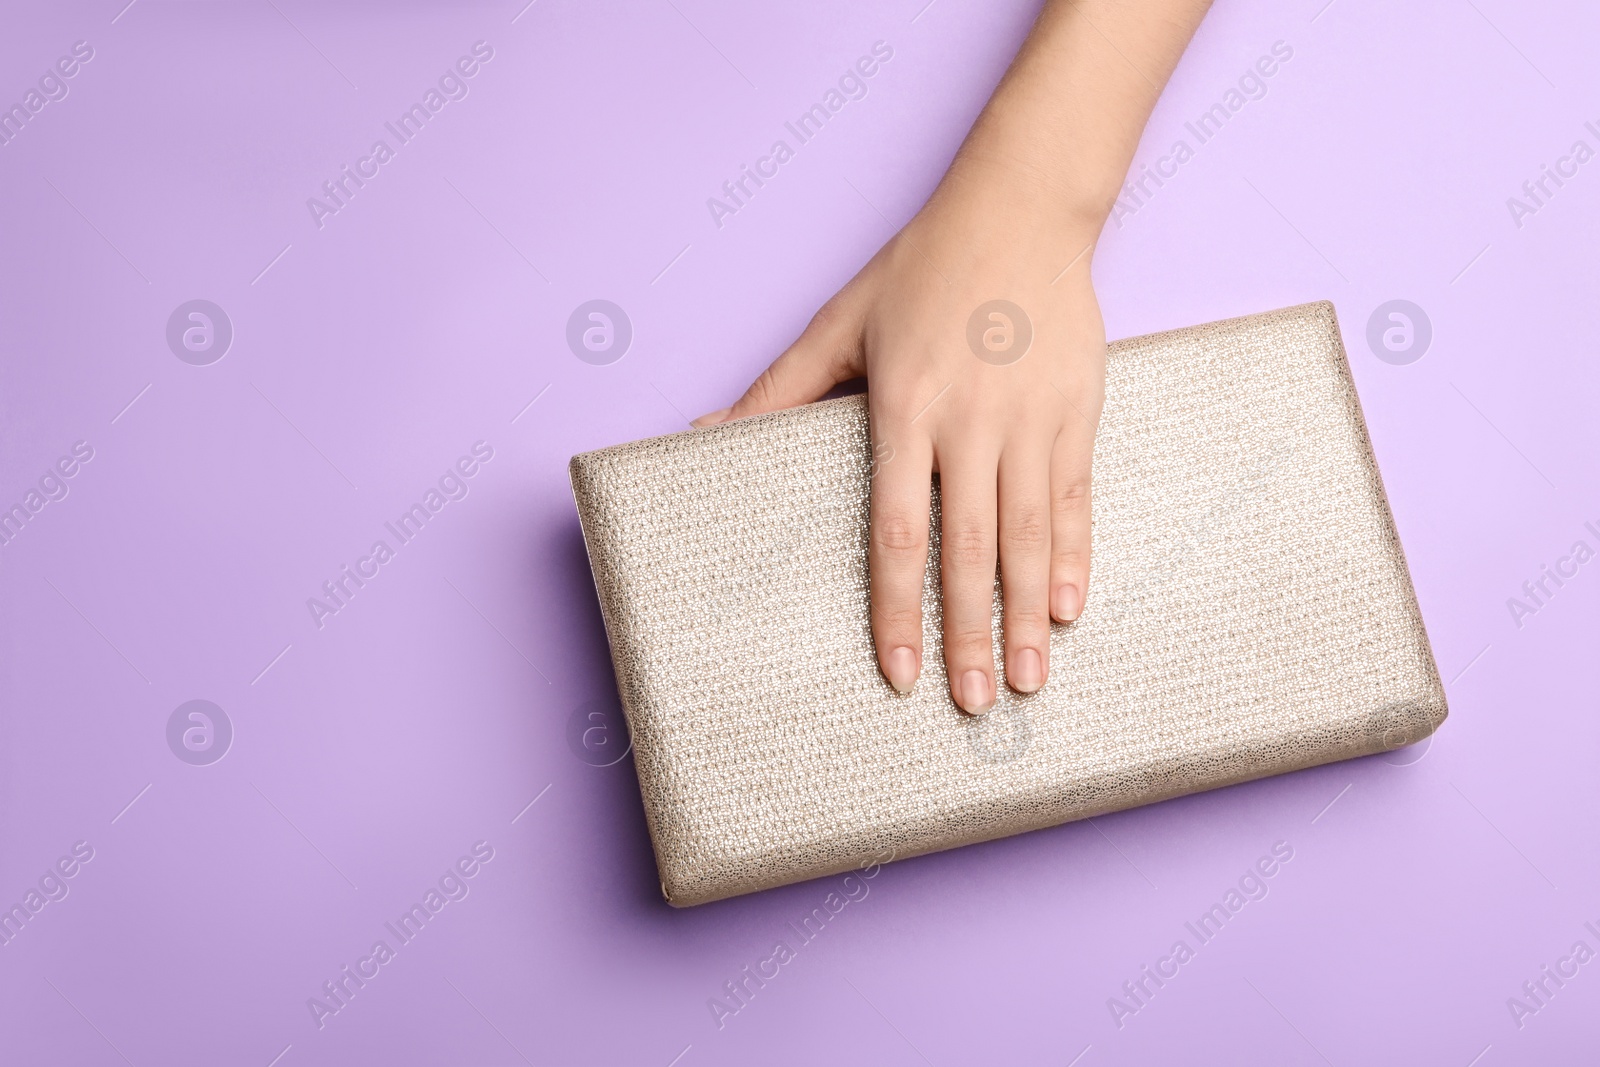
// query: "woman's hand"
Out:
[981,340]
[1008,424]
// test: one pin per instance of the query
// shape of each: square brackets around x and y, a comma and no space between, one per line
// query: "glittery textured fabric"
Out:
[1249,613]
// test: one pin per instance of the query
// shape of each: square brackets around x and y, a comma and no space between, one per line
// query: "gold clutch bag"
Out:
[1249,613]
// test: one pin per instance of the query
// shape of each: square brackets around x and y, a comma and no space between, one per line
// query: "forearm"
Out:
[1060,131]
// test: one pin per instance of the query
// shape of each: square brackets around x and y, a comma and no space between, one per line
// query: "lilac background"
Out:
[429,712]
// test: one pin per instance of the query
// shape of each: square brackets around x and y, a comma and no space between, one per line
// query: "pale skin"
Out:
[1016,217]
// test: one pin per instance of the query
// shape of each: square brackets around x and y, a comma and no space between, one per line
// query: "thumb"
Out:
[827,353]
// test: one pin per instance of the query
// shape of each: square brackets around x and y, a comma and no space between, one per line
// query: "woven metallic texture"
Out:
[1249,613]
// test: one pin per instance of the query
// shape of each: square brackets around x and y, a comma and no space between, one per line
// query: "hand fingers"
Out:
[827,353]
[898,551]
[967,547]
[1070,463]
[1025,539]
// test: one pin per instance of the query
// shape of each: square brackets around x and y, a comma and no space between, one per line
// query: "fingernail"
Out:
[901,668]
[1027,672]
[712,419]
[976,695]
[1067,604]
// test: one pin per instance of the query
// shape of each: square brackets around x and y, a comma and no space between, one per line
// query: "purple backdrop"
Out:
[183,478]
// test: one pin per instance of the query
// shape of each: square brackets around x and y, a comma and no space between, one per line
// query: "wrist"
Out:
[1010,190]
